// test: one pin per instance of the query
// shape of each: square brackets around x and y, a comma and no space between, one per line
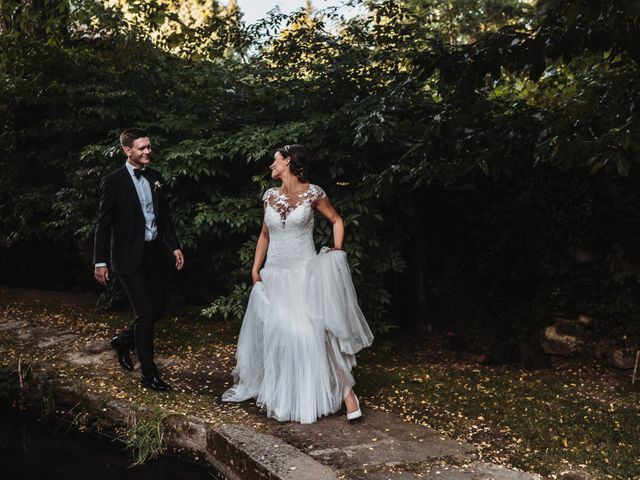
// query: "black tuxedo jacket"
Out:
[119,238]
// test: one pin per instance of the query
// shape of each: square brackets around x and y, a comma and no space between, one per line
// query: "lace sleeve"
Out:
[316,193]
[267,195]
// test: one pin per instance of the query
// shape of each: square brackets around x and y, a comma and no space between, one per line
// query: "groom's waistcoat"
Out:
[120,226]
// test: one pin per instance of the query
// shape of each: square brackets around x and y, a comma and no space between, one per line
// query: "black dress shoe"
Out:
[155,383]
[123,355]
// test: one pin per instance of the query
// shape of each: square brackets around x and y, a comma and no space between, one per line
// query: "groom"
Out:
[133,221]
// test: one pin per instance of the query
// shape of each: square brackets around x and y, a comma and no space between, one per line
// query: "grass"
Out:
[47,403]
[543,421]
[144,438]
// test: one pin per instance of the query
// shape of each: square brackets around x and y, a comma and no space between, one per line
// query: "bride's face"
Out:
[279,166]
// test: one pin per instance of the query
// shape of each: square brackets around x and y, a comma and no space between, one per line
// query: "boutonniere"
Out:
[157,186]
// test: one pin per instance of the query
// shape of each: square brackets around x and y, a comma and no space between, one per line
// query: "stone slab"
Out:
[379,439]
[474,471]
[13,325]
[254,456]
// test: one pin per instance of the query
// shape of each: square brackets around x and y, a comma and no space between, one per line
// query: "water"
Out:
[50,450]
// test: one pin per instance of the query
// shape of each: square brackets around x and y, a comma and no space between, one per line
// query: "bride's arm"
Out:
[261,252]
[323,205]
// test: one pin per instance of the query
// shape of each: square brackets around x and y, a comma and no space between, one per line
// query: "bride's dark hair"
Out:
[299,160]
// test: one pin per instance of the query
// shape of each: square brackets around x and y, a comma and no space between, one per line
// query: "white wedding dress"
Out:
[302,326]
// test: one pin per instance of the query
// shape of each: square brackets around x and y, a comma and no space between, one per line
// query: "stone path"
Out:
[380,447]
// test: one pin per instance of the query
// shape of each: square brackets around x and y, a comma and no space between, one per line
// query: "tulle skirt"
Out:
[297,345]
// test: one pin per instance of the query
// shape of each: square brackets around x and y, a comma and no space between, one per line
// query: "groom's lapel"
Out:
[131,188]
[154,195]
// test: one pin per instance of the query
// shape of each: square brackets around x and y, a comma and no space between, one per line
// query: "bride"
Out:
[302,327]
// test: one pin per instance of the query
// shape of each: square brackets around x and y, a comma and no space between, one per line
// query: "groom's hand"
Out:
[179,258]
[101,274]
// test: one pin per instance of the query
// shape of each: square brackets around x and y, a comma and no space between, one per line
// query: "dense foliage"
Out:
[484,155]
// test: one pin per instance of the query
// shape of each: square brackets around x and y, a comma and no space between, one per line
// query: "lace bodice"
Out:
[290,223]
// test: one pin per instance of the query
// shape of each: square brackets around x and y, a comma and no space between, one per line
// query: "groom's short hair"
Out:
[130,134]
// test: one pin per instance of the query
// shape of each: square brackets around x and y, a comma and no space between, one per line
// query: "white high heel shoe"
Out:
[353,416]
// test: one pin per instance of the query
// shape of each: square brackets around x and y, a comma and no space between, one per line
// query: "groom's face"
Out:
[139,152]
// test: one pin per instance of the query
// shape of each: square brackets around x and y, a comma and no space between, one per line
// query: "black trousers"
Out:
[146,289]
